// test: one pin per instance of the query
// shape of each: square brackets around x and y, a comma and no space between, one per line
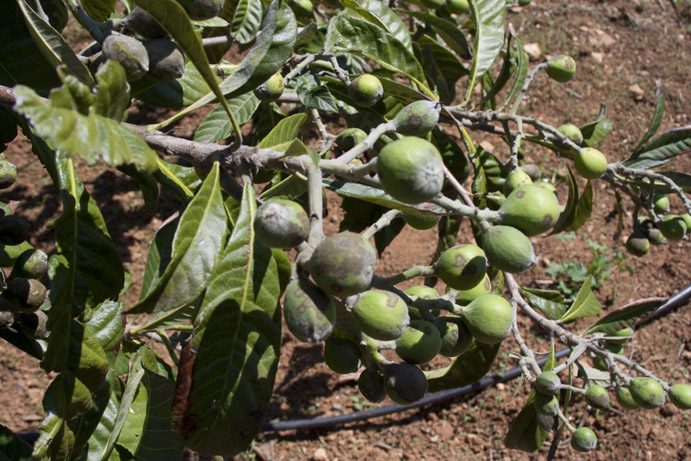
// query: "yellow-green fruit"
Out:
[349,138]
[661,204]
[687,219]
[29,293]
[637,244]
[458,6]
[489,318]
[546,404]
[455,336]
[411,170]
[129,52]
[366,90]
[462,267]
[420,343]
[625,399]
[625,334]
[302,8]
[421,221]
[583,439]
[547,185]
[141,22]
[673,227]
[272,89]
[166,59]
[417,118]
[532,170]
[381,315]
[548,383]
[281,223]
[371,385]
[515,179]
[310,315]
[200,10]
[31,264]
[508,249]
[463,297]
[597,396]
[14,230]
[572,132]
[530,209]
[8,174]
[590,163]
[343,264]
[341,356]
[647,392]
[561,68]
[404,382]
[680,395]
[432,3]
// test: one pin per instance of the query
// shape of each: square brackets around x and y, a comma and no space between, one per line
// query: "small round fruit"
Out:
[14,229]
[129,52]
[349,138]
[420,343]
[272,89]
[381,315]
[421,292]
[647,392]
[302,8]
[141,22]
[654,236]
[421,221]
[561,68]
[625,399]
[530,209]
[515,179]
[343,264]
[590,163]
[310,315]
[673,227]
[455,336]
[366,90]
[29,293]
[464,297]
[546,404]
[404,382]
[548,383]
[532,170]
[572,132]
[583,439]
[341,356]
[597,396]
[687,219]
[281,223]
[411,170]
[637,244]
[661,203]
[462,267]
[31,264]
[8,174]
[508,249]
[417,118]
[489,318]
[625,334]
[200,10]
[166,59]
[458,6]
[680,395]
[371,385]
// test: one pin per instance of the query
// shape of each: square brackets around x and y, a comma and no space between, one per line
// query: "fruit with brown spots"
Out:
[343,264]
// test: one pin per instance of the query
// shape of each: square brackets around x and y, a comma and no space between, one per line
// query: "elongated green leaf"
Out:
[178,93]
[550,303]
[585,304]
[112,95]
[314,94]
[85,426]
[465,369]
[16,336]
[198,241]
[160,255]
[402,92]
[567,216]
[367,193]
[489,17]
[216,125]
[657,117]
[682,180]
[284,132]
[105,325]
[227,369]
[12,448]
[100,10]
[54,48]
[376,12]
[661,149]
[584,208]
[596,132]
[521,72]
[441,67]
[99,439]
[448,31]
[246,20]
[625,316]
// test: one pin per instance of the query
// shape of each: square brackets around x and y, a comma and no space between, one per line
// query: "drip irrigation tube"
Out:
[675,301]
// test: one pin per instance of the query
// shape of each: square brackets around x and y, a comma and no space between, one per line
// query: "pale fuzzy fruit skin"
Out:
[673,227]
[462,267]
[8,174]
[404,382]
[637,245]
[455,336]
[584,440]
[561,68]
[508,249]
[590,163]
[166,59]
[31,264]
[530,209]
[411,170]
[200,10]
[458,6]
[29,293]
[349,138]
[597,396]
[661,203]
[381,315]
[421,222]
[572,132]
[129,52]
[532,170]
[366,90]
[281,223]
[546,404]
[310,315]
[371,385]
[464,297]
[515,179]
[142,23]
[341,356]
[343,264]
[680,395]
[625,399]
[420,343]
[489,318]
[548,383]
[272,89]
[417,118]
[647,392]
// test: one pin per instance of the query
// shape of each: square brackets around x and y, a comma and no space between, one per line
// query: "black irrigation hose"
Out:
[675,301]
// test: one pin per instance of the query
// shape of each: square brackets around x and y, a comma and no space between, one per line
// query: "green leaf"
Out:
[489,18]
[661,149]
[285,132]
[100,10]
[521,71]
[466,369]
[85,426]
[227,369]
[449,32]
[658,115]
[585,304]
[216,126]
[682,180]
[112,95]
[402,92]
[525,433]
[12,448]
[366,193]
[550,303]
[246,20]
[105,324]
[442,67]
[596,132]
[379,14]
[314,94]
[625,316]
[568,215]
[176,94]
[583,209]
[19,339]
[160,255]
[98,441]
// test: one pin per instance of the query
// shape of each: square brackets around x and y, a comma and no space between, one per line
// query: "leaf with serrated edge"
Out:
[246,20]
[467,368]
[451,34]
[585,304]
[216,125]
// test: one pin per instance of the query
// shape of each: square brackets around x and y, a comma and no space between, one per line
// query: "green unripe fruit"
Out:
[548,383]
[661,204]
[14,229]
[561,68]
[458,6]
[29,293]
[547,185]
[310,315]
[421,292]
[349,138]
[546,404]
[404,382]
[624,333]
[687,219]
[583,439]
[366,90]
[616,348]
[129,52]
[463,297]
[166,59]
[371,385]
[647,392]
[420,343]
[673,227]
[281,223]
[272,89]
[489,318]
[625,399]
[530,209]
[411,170]
[508,249]
[572,132]
[455,336]
[200,10]
[421,221]
[8,174]
[417,118]
[680,395]
[547,422]
[462,267]
[637,244]
[654,236]
[532,170]
[515,179]
[343,264]
[597,396]
[302,8]
[31,264]
[590,163]
[381,315]
[341,356]
[141,22]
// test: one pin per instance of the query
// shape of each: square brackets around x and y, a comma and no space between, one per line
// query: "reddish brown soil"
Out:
[637,42]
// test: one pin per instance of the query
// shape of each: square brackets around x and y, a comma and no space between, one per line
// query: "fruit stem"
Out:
[381,223]
[526,85]
[367,143]
[316,205]
[564,419]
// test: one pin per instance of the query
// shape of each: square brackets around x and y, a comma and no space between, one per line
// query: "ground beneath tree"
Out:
[621,48]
